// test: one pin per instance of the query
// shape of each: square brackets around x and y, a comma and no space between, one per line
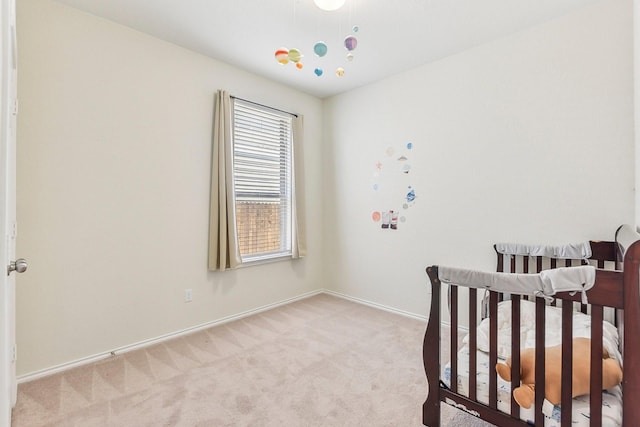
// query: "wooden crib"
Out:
[616,290]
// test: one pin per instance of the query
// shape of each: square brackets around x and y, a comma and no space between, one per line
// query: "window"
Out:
[262,173]
[257,204]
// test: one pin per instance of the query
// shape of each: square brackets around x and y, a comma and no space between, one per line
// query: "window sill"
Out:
[265,259]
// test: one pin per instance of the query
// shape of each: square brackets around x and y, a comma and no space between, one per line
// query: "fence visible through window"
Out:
[258,226]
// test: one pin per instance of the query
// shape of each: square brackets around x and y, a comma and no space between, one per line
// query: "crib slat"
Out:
[567,363]
[473,340]
[454,339]
[500,266]
[583,308]
[515,351]
[595,391]
[525,270]
[538,264]
[553,264]
[540,383]
[493,349]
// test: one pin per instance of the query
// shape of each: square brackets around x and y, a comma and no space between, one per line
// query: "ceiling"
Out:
[392,35]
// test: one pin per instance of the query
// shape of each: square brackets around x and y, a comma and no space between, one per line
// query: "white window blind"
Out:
[262,180]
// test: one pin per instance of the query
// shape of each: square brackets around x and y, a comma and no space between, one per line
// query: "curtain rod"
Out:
[262,105]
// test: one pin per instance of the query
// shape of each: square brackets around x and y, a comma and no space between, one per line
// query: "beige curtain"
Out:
[224,251]
[299,241]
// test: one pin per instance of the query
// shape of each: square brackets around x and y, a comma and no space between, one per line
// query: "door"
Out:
[8,102]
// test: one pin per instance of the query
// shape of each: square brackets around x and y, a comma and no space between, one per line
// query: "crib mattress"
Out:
[611,399]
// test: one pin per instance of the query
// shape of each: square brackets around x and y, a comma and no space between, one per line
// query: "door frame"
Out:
[8,110]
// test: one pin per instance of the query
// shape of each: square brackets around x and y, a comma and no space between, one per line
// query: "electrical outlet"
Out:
[188,295]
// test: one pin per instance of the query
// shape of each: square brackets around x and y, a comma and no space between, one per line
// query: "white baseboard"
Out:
[376,305]
[146,343]
[447,324]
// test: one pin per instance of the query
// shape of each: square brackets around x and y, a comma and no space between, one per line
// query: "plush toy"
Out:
[525,394]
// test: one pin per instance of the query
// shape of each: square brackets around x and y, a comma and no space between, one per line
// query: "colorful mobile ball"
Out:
[376,216]
[340,72]
[349,57]
[409,145]
[299,65]
[350,43]
[318,72]
[320,49]
[282,55]
[356,28]
[294,55]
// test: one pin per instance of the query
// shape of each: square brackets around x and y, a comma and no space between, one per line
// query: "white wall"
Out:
[114,162]
[528,139]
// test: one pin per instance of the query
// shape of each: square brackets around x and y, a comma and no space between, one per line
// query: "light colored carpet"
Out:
[321,361]
[451,416]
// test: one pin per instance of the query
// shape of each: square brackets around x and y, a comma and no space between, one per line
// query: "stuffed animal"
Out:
[525,394]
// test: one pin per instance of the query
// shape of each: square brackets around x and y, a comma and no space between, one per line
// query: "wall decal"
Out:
[411,195]
[392,189]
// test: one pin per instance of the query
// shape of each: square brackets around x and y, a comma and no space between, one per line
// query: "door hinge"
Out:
[14,353]
[15,107]
[14,230]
